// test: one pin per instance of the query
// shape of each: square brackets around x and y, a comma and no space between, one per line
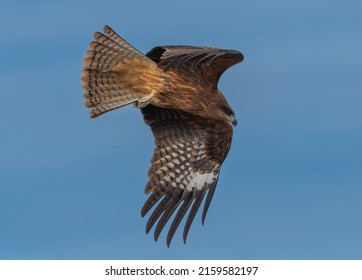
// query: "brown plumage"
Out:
[176,89]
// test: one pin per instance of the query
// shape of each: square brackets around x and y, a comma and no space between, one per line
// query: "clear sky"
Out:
[291,187]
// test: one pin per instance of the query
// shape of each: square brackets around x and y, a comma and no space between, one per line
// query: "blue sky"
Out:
[291,187]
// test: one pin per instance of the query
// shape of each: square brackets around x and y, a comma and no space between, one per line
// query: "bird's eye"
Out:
[227,111]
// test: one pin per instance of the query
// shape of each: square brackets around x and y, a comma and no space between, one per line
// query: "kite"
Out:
[175,88]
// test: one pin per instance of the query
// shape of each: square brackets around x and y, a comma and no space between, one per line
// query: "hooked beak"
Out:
[233,120]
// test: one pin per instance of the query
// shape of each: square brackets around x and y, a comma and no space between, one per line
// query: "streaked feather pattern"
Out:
[182,169]
[106,87]
[207,63]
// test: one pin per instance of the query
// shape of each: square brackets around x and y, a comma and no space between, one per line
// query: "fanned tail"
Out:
[114,73]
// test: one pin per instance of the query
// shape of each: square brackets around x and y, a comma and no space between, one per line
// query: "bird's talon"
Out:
[144,101]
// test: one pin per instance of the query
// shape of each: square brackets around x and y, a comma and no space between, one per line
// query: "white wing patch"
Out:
[201,180]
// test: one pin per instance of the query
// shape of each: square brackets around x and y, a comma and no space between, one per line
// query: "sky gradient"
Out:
[291,187]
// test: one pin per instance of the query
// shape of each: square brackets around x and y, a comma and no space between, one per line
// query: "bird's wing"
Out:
[206,63]
[185,166]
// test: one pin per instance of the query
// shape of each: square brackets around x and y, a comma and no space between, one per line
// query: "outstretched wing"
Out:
[206,63]
[184,167]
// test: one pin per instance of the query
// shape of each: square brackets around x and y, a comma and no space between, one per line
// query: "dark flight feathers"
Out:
[208,62]
[181,135]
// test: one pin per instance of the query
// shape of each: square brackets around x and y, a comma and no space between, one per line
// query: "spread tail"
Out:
[115,74]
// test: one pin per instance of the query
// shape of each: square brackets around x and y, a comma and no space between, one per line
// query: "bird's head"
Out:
[226,113]
[222,110]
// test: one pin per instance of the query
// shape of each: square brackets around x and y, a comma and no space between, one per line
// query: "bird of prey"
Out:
[175,88]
